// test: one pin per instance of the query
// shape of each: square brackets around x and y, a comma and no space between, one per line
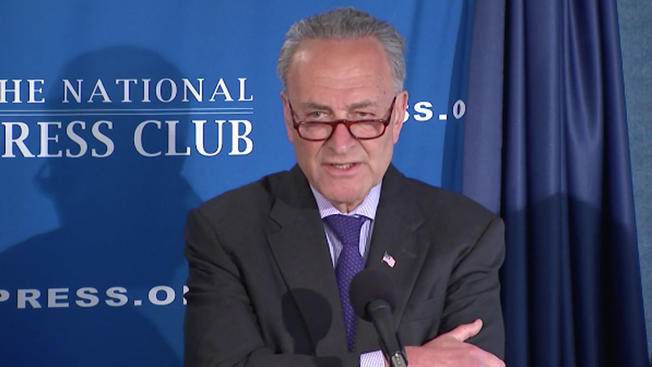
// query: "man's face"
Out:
[342,79]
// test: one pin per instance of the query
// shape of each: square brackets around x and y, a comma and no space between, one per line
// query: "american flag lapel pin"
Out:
[389,260]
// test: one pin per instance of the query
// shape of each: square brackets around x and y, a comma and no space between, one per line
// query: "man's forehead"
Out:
[322,50]
[356,70]
[340,42]
[349,105]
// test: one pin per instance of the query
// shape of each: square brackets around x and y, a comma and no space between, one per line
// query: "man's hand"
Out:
[450,349]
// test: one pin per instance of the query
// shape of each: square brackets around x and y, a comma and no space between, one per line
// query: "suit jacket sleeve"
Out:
[473,290]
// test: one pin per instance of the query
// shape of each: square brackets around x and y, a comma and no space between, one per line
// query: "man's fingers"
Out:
[493,361]
[466,331]
[451,349]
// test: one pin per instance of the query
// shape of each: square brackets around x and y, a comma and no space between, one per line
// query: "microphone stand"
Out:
[381,315]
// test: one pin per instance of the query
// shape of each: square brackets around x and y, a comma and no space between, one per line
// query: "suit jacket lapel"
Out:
[299,245]
[395,232]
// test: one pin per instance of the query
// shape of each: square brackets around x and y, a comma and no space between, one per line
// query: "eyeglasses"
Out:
[359,129]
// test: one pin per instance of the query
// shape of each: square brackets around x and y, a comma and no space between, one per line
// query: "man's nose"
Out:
[341,139]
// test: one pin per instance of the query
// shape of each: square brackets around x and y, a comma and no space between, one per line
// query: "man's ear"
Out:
[287,117]
[398,115]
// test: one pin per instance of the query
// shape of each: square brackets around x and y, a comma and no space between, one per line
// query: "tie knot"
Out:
[346,227]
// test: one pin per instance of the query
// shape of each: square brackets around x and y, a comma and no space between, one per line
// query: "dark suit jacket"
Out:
[263,290]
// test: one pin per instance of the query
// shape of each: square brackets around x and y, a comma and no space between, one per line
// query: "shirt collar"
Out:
[367,208]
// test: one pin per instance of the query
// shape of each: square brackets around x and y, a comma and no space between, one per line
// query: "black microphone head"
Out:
[370,285]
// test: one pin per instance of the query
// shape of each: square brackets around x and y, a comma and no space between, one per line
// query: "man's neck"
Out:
[366,207]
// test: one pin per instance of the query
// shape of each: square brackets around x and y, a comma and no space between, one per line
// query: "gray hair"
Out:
[344,23]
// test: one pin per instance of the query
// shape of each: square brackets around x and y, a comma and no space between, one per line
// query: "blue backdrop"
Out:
[119,117]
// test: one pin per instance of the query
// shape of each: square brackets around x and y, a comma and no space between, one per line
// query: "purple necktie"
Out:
[347,229]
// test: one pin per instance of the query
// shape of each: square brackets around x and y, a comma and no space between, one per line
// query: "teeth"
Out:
[343,166]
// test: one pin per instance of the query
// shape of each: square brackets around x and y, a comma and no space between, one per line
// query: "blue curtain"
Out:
[571,279]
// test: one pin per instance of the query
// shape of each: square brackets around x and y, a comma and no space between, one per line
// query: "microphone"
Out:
[373,297]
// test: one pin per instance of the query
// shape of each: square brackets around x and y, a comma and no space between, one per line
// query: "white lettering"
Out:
[83,147]
[46,138]
[10,141]
[236,137]
[30,296]
[99,90]
[187,86]
[118,297]
[126,83]
[165,90]
[242,91]
[172,140]
[87,297]
[15,91]
[76,94]
[153,295]
[221,88]
[159,90]
[108,143]
[199,137]
[57,294]
[32,90]
[138,138]
[424,111]
[459,109]
[4,295]
[146,90]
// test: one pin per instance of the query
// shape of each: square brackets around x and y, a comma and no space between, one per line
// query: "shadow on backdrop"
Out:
[121,225]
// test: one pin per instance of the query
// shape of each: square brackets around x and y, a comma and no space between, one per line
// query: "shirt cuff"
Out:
[372,359]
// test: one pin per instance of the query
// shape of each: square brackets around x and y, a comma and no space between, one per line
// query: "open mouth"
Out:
[343,166]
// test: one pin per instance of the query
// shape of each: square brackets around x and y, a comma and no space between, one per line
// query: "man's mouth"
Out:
[342,165]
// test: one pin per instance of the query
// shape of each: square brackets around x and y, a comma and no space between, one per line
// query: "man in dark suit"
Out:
[263,290]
